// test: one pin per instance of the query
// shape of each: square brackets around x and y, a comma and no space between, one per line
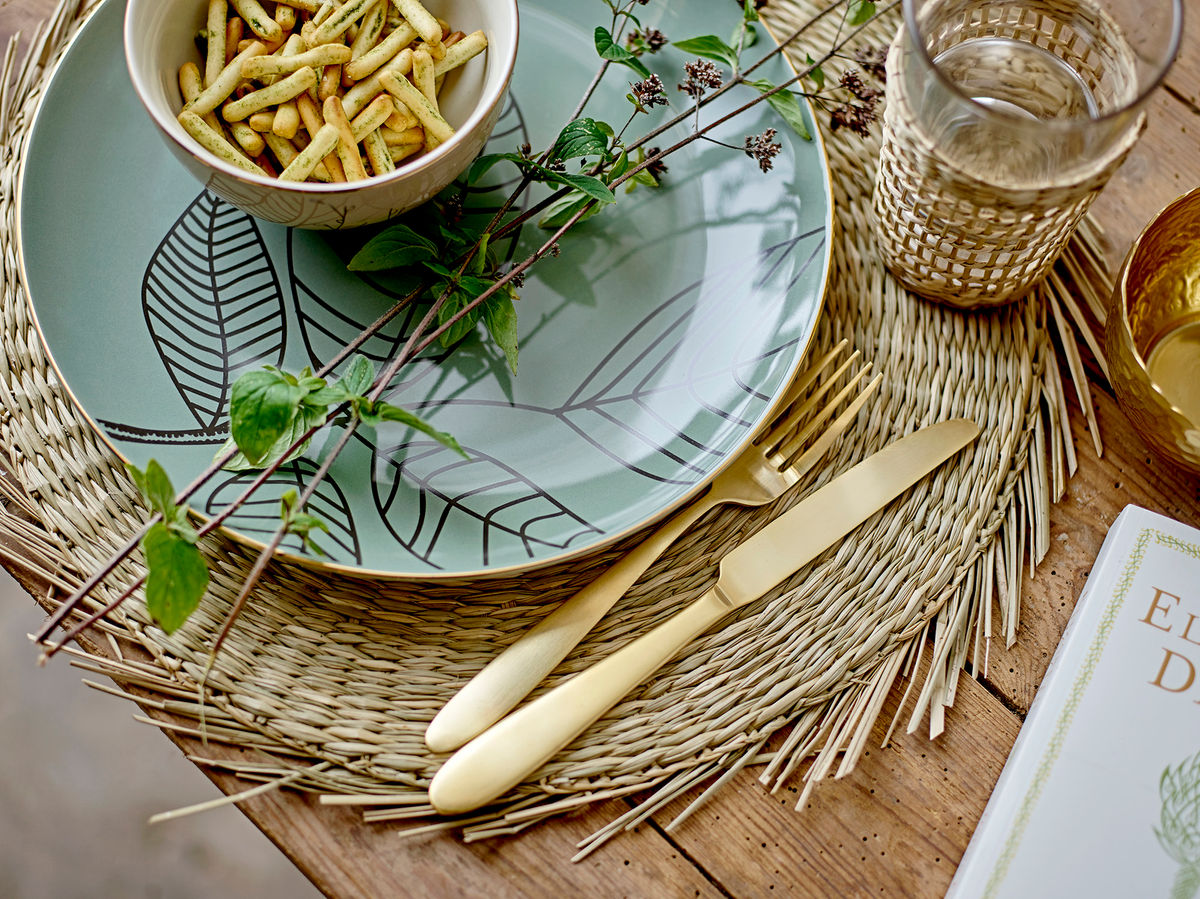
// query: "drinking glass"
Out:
[1004,120]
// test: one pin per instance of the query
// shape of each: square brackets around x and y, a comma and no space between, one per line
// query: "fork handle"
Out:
[507,753]
[508,678]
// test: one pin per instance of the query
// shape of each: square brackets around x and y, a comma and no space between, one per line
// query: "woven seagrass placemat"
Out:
[335,679]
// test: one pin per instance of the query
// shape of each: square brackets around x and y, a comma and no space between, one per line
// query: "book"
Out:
[1100,795]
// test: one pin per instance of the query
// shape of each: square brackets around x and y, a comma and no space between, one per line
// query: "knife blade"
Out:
[517,745]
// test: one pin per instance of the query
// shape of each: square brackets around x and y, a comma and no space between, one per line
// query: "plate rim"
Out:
[314,564]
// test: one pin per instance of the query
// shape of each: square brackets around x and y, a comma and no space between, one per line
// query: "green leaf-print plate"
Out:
[650,350]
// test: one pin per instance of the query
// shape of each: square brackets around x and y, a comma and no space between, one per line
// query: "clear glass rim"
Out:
[1008,119]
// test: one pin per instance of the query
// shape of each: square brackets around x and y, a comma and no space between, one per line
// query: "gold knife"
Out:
[516,746]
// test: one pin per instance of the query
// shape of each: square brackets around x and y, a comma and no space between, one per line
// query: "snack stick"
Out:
[214,59]
[233,38]
[308,6]
[310,115]
[371,118]
[249,139]
[324,142]
[460,52]
[378,153]
[285,17]
[357,98]
[291,47]
[422,76]
[402,138]
[215,142]
[347,147]
[190,86]
[435,126]
[286,152]
[369,29]
[340,21]
[381,53]
[226,83]
[256,101]
[401,153]
[256,17]
[401,118]
[331,83]
[287,120]
[325,55]
[261,121]
[421,20]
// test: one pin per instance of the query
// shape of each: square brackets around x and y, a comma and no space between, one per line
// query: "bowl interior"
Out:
[160,35]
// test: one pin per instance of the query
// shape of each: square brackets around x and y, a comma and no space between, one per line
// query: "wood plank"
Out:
[1163,165]
[1128,473]
[897,825]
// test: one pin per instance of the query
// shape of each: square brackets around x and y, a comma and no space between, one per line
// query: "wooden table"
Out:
[899,824]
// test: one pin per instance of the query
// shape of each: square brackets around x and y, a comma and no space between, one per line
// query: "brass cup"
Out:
[1152,333]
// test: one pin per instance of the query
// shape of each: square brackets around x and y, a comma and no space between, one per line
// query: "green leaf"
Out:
[500,317]
[581,137]
[710,47]
[177,578]
[749,11]
[156,487]
[817,75]
[382,412]
[590,185]
[860,12]
[609,49]
[455,302]
[358,377]
[564,208]
[483,164]
[306,417]
[746,33]
[301,523]
[394,247]
[262,405]
[786,104]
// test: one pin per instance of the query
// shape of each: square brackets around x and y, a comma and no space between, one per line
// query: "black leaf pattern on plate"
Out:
[258,517]
[213,305]
[420,487]
[627,391]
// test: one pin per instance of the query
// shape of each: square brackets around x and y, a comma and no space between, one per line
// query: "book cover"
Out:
[1101,793]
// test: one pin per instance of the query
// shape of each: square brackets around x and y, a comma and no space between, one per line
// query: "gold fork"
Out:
[777,458]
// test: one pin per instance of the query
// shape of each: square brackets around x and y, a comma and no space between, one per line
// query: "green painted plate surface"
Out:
[651,348]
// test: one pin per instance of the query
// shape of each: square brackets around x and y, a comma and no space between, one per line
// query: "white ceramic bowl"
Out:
[160,37]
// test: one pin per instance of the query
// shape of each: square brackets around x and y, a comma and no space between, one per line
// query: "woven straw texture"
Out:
[964,236]
[335,679]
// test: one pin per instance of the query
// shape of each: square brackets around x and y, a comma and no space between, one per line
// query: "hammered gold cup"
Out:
[1152,333]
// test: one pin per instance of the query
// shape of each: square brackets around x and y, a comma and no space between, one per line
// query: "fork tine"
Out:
[798,406]
[803,428]
[799,387]
[799,460]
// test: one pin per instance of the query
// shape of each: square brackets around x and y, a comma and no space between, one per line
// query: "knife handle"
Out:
[503,756]
[510,676]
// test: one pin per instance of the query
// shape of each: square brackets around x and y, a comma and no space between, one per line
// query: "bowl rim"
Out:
[170,127]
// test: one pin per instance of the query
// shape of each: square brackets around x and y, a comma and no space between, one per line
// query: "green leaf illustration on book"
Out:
[1179,834]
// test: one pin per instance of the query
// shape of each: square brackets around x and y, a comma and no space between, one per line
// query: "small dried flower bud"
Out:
[872,60]
[650,93]
[763,149]
[702,74]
